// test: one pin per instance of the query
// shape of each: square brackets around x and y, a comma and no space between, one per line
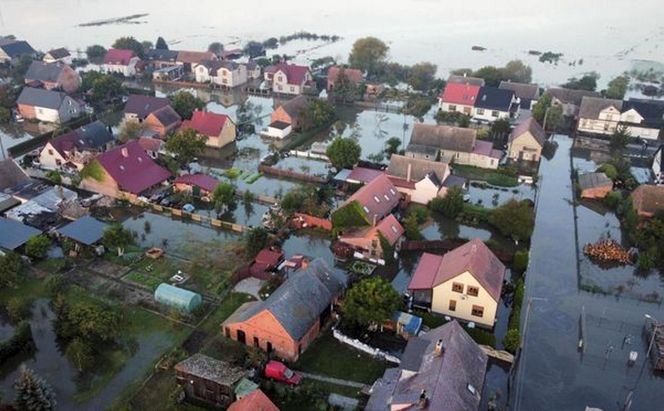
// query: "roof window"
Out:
[377,199]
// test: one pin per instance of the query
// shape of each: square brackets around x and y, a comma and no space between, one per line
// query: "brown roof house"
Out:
[52,76]
[443,370]
[599,115]
[155,112]
[368,242]
[648,200]
[254,401]
[465,283]
[528,94]
[569,99]
[190,59]
[594,185]
[163,121]
[420,180]
[526,141]
[76,148]
[206,379]
[291,317]
[451,145]
[287,117]
[355,76]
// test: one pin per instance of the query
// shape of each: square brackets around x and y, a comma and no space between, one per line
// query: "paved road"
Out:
[333,380]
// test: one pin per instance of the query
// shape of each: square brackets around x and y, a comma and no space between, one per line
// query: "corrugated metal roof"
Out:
[86,230]
[14,234]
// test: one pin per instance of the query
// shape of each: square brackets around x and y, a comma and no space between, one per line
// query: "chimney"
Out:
[439,350]
[124,152]
[410,166]
[423,402]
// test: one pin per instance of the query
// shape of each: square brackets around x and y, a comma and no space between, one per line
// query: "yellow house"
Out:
[218,128]
[526,141]
[465,283]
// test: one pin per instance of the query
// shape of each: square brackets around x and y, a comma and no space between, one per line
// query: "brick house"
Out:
[124,171]
[290,319]
[47,105]
[465,283]
[254,401]
[355,76]
[163,121]
[209,380]
[53,76]
[366,240]
[218,128]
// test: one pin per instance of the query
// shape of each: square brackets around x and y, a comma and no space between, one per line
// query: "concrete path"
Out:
[333,380]
[250,286]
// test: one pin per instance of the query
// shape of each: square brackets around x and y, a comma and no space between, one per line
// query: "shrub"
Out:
[514,219]
[520,262]
[512,340]
[351,215]
[451,205]
[20,341]
[37,246]
[18,308]
[412,228]
[482,337]
[613,200]
[56,283]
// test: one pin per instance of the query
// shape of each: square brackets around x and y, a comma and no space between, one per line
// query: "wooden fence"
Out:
[294,175]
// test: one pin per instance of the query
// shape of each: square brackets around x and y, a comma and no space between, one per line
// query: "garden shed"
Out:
[180,298]
[86,230]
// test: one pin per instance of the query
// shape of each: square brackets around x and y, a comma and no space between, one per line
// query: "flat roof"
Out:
[86,230]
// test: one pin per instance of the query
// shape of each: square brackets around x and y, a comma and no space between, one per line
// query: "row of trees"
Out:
[514,70]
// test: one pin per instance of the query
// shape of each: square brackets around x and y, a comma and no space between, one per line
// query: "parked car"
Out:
[188,208]
[277,371]
[167,202]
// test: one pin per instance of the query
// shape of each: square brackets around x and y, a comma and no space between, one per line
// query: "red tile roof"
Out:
[131,168]
[648,200]
[474,257]
[118,56]
[465,94]
[379,197]
[254,401]
[269,257]
[294,74]
[391,229]
[206,123]
[150,144]
[354,75]
[363,175]
[203,181]
[194,57]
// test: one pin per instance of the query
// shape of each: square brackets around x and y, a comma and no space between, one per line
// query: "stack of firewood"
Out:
[607,251]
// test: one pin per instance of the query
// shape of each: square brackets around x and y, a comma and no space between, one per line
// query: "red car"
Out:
[279,372]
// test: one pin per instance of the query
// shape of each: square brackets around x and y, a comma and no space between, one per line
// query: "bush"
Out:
[412,228]
[421,214]
[18,308]
[514,219]
[37,246]
[20,341]
[613,200]
[451,205]
[482,337]
[351,215]
[520,263]
[512,340]
[56,283]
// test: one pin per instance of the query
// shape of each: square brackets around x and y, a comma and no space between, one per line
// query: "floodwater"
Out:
[441,32]
[49,362]
[552,374]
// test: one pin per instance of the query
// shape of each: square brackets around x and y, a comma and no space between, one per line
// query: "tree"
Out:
[130,43]
[117,237]
[95,52]
[11,267]
[344,152]
[517,71]
[37,246]
[492,75]
[617,87]
[587,82]
[371,301]
[147,45]
[33,393]
[271,43]
[412,228]
[422,76]
[344,89]
[216,48]
[131,130]
[256,240]
[224,196]
[254,49]
[5,115]
[185,145]
[161,44]
[500,129]
[21,67]
[100,86]
[80,354]
[392,146]
[185,103]
[620,138]
[368,53]
[91,320]
[539,108]
[554,118]
[451,205]
[514,219]
[318,113]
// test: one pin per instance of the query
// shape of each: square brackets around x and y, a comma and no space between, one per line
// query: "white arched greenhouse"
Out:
[180,298]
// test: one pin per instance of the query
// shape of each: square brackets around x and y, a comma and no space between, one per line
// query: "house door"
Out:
[241,337]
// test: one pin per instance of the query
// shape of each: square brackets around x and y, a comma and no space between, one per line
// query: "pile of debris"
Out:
[608,251]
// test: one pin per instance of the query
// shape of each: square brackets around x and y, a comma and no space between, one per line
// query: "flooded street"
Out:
[552,373]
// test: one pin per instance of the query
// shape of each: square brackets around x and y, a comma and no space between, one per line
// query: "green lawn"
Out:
[151,272]
[224,310]
[329,357]
[492,177]
[51,265]
[30,288]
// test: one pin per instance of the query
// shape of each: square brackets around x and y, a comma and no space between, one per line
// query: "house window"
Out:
[256,343]
[280,79]
[280,88]
[473,291]
[494,114]
[452,306]
[457,288]
[50,152]
[452,108]
[292,89]
[478,311]
[480,111]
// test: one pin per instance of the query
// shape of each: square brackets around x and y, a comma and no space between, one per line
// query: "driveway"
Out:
[249,285]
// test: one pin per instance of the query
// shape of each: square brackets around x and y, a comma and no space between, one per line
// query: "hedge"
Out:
[20,341]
